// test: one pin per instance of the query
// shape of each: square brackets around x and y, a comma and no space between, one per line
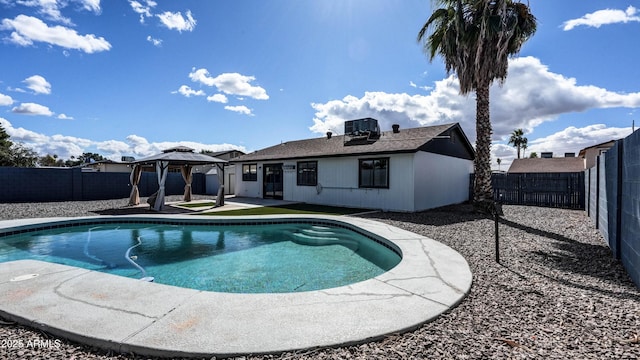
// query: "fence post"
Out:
[496,216]
[588,192]
[619,197]
[597,218]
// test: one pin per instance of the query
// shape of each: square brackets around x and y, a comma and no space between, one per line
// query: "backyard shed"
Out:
[399,170]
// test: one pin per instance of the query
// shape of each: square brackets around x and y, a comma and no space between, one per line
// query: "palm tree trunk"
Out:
[483,193]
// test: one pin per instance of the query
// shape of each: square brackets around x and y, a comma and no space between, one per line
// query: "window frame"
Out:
[251,174]
[315,172]
[372,170]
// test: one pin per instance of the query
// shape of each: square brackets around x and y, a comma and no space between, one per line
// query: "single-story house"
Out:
[106,166]
[591,153]
[400,170]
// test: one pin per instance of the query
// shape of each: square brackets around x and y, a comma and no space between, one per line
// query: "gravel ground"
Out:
[556,294]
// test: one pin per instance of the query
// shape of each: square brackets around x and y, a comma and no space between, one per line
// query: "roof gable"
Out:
[404,141]
[605,145]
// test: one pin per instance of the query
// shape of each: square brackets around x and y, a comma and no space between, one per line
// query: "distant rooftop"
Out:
[547,165]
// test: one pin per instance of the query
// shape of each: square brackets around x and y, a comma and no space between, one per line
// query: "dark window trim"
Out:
[252,174]
[299,168]
[374,186]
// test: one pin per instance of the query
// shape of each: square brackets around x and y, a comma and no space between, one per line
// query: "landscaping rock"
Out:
[557,292]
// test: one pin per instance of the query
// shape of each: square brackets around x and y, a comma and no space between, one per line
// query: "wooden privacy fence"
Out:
[563,190]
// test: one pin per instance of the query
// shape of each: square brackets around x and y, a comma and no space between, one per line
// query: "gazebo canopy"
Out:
[180,156]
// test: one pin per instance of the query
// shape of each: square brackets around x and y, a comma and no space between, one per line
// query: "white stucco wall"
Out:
[338,180]
[440,180]
[251,189]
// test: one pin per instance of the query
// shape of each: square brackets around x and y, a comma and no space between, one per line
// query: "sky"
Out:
[132,78]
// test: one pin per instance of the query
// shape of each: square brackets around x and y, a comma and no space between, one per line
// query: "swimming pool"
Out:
[154,319]
[251,257]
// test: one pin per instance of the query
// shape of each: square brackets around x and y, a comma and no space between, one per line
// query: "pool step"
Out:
[323,233]
[320,228]
[316,240]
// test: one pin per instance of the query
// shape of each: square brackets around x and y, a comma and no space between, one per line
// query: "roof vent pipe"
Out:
[396,128]
[329,133]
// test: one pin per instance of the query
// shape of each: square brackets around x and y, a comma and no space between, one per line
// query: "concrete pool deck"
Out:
[132,316]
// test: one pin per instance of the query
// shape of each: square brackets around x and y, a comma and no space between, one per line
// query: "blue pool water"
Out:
[274,258]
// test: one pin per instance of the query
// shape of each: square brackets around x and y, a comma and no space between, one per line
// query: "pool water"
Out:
[273,258]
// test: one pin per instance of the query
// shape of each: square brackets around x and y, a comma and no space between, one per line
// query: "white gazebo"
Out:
[178,157]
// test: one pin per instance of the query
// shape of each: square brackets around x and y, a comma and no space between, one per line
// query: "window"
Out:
[374,173]
[307,173]
[249,172]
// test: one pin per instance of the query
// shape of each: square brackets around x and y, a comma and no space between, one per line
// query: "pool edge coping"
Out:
[414,286]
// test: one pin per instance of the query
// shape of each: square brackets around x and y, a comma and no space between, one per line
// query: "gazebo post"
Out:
[187,176]
[220,196]
[162,167]
[134,178]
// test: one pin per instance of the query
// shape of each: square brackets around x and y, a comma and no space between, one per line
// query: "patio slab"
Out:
[129,315]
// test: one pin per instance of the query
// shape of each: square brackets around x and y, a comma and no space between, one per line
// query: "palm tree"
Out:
[499,161]
[518,140]
[475,38]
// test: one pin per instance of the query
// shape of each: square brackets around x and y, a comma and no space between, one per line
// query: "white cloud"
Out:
[5,100]
[175,21]
[530,96]
[50,9]
[230,83]
[20,90]
[141,147]
[188,92]
[220,98]
[574,139]
[64,117]
[143,9]
[604,17]
[32,109]
[27,29]
[67,146]
[155,42]
[91,5]
[414,85]
[114,148]
[241,109]
[38,84]
[71,139]
[22,134]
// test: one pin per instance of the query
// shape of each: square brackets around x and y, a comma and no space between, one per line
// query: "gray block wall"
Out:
[602,198]
[630,209]
[72,184]
[591,182]
[613,173]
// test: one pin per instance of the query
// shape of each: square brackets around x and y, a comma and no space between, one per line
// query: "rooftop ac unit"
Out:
[361,131]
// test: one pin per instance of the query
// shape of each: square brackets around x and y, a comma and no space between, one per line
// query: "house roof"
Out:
[605,145]
[552,165]
[448,139]
[224,152]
